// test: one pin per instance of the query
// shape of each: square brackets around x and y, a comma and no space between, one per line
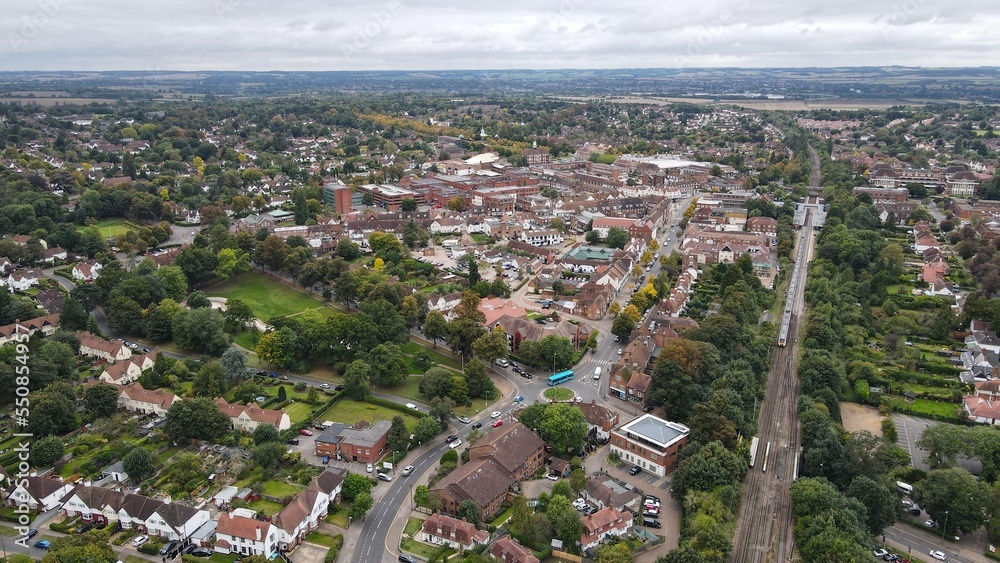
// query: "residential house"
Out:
[304,514]
[509,551]
[96,347]
[23,280]
[52,299]
[456,534]
[239,532]
[364,442]
[604,491]
[331,481]
[651,443]
[128,371]
[87,271]
[15,331]
[606,523]
[116,472]
[54,254]
[135,398]
[247,417]
[38,493]
[600,419]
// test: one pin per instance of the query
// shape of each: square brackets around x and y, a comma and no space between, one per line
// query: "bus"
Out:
[561,377]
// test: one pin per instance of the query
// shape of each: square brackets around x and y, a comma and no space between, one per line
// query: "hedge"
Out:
[331,554]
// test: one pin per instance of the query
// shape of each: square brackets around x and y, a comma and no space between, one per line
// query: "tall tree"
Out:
[435,326]
[357,379]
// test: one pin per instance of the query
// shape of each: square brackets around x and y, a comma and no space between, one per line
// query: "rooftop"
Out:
[656,430]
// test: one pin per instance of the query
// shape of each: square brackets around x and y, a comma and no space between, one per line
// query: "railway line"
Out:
[765,524]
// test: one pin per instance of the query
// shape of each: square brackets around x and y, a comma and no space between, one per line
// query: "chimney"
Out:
[86,482]
[257,529]
[167,499]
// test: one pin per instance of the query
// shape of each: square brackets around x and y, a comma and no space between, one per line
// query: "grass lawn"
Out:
[321,539]
[245,340]
[925,406]
[338,518]
[412,348]
[166,454]
[421,549]
[412,526]
[134,559]
[297,412]
[559,394]
[409,389]
[110,227]
[348,411]
[279,489]
[7,530]
[265,297]
[266,506]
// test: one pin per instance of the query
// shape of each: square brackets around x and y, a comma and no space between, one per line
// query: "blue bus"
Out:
[561,377]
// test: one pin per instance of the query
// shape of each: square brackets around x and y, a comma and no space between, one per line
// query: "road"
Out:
[919,542]
[764,529]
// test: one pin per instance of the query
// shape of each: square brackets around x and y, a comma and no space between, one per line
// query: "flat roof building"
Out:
[651,443]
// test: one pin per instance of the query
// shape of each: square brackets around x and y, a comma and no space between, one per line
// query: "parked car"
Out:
[326,460]
[495,414]
[477,425]
[305,432]
[502,362]
[407,470]
[324,386]
[650,523]
[139,540]
[455,444]
[167,547]
[284,378]
[648,514]
[42,544]
[464,419]
[404,558]
[518,399]
[451,438]
[369,468]
[635,470]
[619,351]
[384,477]
[647,408]
[201,552]
[552,477]
[548,448]
[32,532]
[294,441]
[273,375]
[936,554]
[914,511]
[497,423]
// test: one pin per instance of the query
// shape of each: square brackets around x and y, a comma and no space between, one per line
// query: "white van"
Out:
[904,488]
[597,373]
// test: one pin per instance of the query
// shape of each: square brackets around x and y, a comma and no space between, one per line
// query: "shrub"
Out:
[331,554]
[150,548]
[889,429]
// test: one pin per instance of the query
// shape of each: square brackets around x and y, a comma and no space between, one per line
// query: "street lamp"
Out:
[945,527]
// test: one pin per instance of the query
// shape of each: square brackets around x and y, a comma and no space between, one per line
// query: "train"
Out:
[786,318]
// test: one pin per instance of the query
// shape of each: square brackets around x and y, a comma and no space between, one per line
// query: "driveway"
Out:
[309,553]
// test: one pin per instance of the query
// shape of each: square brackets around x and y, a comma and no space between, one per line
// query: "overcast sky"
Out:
[444,34]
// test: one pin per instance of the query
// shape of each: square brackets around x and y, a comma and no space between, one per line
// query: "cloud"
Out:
[425,34]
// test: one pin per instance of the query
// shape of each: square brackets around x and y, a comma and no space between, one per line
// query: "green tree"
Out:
[198,419]
[617,237]
[707,467]
[230,262]
[623,326]
[408,204]
[469,511]
[476,380]
[955,492]
[399,437]
[357,380]
[388,368]
[360,506]
[234,364]
[564,426]
[435,326]
[879,500]
[436,382]
[565,520]
[73,316]
[491,346]
[201,330]
[265,433]
[268,454]
[443,410]
[138,463]
[427,427]
[100,400]
[613,553]
[238,314]
[174,282]
[355,485]
[210,381]
[46,451]
[462,332]
[53,411]
[93,546]
[421,495]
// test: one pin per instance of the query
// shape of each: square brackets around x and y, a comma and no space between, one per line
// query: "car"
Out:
[384,477]
[404,558]
[412,406]
[518,399]
[651,504]
[929,523]
[648,514]
[407,470]
[167,547]
[305,432]
[464,419]
[552,477]
[451,438]
[579,502]
[85,528]
[502,362]
[140,540]
[890,557]
[647,408]
[548,448]
[936,554]
[146,350]
[42,544]
[619,351]
[339,388]
[617,338]
[652,498]
[284,378]
[273,375]
[880,553]
[294,441]
[590,510]
[578,399]
[324,386]
[495,414]
[477,425]
[635,470]
[906,503]
[497,423]
[32,532]
[455,444]
[201,552]
[369,468]
[914,511]
[650,523]
[326,460]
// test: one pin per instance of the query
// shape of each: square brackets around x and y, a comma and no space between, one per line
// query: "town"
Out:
[487,328]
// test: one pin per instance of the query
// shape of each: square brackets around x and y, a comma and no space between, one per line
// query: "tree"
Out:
[408,204]
[476,380]
[210,381]
[457,203]
[347,249]
[312,397]
[272,252]
[355,485]
[73,316]
[265,433]
[268,454]
[198,419]
[234,364]
[197,263]
[623,326]
[878,499]
[443,410]
[474,276]
[706,468]
[491,346]
[565,520]
[399,437]
[46,451]
[361,504]
[617,237]
[955,492]
[174,282]
[578,479]
[53,411]
[564,426]
[555,351]
[231,261]
[436,382]
[93,546]
[201,330]
[613,553]
[138,463]
[469,511]
[427,427]
[435,326]
[462,333]
[124,315]
[238,314]
[357,380]
[388,368]
[100,400]
[410,310]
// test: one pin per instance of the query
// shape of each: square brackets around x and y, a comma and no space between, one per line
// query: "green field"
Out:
[297,412]
[266,506]
[280,490]
[559,394]
[348,411]
[411,348]
[422,550]
[412,526]
[265,297]
[925,406]
[111,227]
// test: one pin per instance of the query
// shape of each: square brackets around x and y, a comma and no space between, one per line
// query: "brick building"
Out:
[651,443]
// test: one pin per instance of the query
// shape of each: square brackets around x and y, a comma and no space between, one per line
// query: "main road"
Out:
[764,529]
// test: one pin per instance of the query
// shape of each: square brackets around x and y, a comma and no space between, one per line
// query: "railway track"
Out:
[765,524]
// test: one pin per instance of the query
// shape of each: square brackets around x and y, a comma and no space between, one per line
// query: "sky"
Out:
[323,35]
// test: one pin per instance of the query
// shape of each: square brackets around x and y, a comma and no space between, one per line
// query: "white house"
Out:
[542,237]
[247,417]
[456,534]
[302,515]
[38,493]
[240,532]
[22,280]
[96,347]
[136,398]
[128,371]
[605,523]
[87,271]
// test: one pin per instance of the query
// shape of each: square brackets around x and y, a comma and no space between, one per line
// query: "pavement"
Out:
[910,428]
